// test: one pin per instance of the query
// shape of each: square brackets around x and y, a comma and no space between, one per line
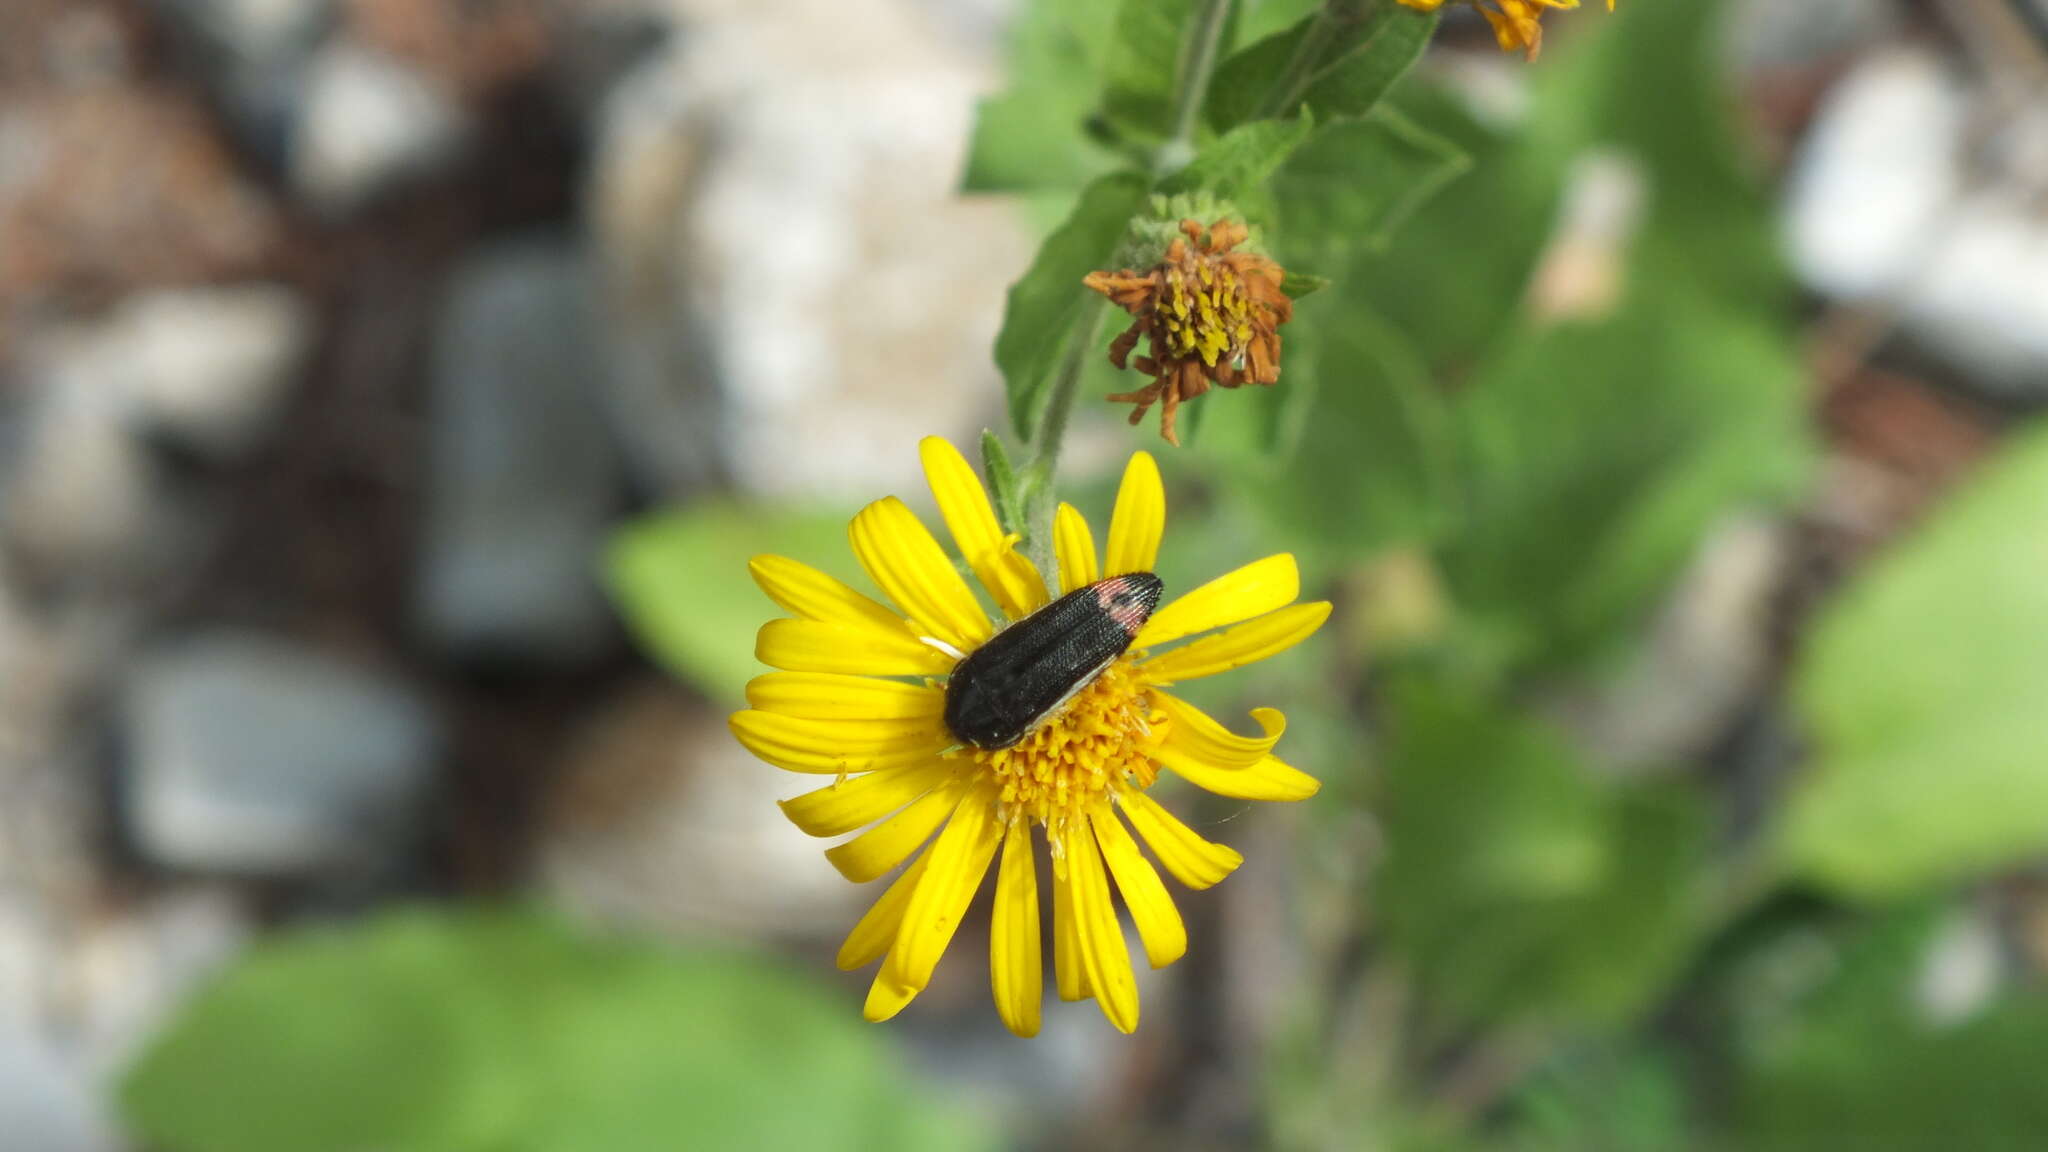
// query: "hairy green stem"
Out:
[1202,47]
[1191,84]
[1052,431]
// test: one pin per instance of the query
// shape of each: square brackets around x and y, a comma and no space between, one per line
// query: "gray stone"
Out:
[252,755]
[254,54]
[368,124]
[82,498]
[1774,34]
[49,1106]
[848,293]
[526,477]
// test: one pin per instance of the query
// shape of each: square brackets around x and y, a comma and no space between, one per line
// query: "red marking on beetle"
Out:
[1122,599]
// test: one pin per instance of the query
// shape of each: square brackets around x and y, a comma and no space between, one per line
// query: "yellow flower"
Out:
[855,699]
[1517,24]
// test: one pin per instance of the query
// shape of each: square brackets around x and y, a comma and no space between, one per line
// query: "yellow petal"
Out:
[1139,519]
[823,646]
[1253,590]
[1016,966]
[1066,959]
[1236,647]
[805,592]
[886,998]
[1269,779]
[871,937]
[1159,923]
[889,843]
[963,503]
[1194,737]
[1193,861]
[797,744]
[905,562]
[1098,939]
[827,696]
[959,859]
[1075,546]
[842,806]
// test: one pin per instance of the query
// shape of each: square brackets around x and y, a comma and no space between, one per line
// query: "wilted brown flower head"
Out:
[1211,314]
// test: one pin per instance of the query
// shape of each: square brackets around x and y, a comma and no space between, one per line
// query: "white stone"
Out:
[210,367]
[81,496]
[1894,204]
[1878,175]
[850,294]
[369,123]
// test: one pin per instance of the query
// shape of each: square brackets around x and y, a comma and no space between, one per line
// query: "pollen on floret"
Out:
[1101,744]
[1210,311]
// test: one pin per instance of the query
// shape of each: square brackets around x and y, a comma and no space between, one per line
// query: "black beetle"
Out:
[1009,686]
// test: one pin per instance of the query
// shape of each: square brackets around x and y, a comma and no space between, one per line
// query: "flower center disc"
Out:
[1099,744]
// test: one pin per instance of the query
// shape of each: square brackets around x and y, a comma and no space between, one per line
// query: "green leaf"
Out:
[1352,183]
[1600,440]
[1238,164]
[1354,434]
[680,581]
[1922,690]
[1516,881]
[1141,67]
[1337,62]
[1597,453]
[1030,135]
[1856,1061]
[1042,309]
[509,1032]
[1004,487]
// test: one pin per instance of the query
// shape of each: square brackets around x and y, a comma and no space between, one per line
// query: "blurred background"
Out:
[392,390]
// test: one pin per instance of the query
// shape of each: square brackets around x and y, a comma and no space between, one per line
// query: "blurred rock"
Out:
[1962,971]
[49,1105]
[79,999]
[252,755]
[204,368]
[1878,174]
[850,294]
[211,367]
[660,820]
[1892,204]
[1706,657]
[82,501]
[664,397]
[525,478]
[254,54]
[1774,34]
[369,124]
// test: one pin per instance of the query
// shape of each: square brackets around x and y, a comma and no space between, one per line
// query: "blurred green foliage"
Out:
[1924,688]
[1553,347]
[680,578]
[504,1031]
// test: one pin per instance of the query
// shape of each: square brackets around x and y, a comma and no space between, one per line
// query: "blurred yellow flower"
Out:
[855,699]
[1517,24]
